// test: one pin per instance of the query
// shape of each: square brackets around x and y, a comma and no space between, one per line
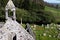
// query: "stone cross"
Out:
[10,6]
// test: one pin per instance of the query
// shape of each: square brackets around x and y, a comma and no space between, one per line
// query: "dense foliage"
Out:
[31,11]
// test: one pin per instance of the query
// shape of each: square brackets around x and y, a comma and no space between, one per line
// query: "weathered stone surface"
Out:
[1,24]
[29,30]
[10,5]
[12,28]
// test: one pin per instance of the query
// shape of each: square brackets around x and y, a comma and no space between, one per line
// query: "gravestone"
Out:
[42,25]
[47,26]
[29,30]
[12,30]
[34,26]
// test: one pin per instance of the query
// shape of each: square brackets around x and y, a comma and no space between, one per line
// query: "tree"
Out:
[3,3]
[21,14]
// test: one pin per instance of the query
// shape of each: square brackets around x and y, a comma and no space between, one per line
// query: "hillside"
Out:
[54,11]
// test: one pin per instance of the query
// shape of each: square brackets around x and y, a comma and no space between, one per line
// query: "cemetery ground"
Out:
[45,32]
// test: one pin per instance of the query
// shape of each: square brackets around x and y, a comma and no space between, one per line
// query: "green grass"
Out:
[39,31]
[54,11]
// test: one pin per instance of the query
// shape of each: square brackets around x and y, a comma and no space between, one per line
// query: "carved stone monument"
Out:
[12,30]
[29,30]
[10,6]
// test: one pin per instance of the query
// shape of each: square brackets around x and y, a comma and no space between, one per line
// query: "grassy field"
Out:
[54,11]
[41,30]
[51,33]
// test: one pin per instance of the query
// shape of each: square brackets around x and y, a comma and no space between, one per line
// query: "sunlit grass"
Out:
[54,11]
[39,31]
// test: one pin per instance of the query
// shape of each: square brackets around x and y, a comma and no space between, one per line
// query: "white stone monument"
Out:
[10,6]
[12,30]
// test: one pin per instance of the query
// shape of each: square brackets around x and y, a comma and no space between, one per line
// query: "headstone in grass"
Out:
[59,25]
[47,26]
[44,34]
[29,30]
[59,28]
[42,25]
[34,26]
[28,27]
